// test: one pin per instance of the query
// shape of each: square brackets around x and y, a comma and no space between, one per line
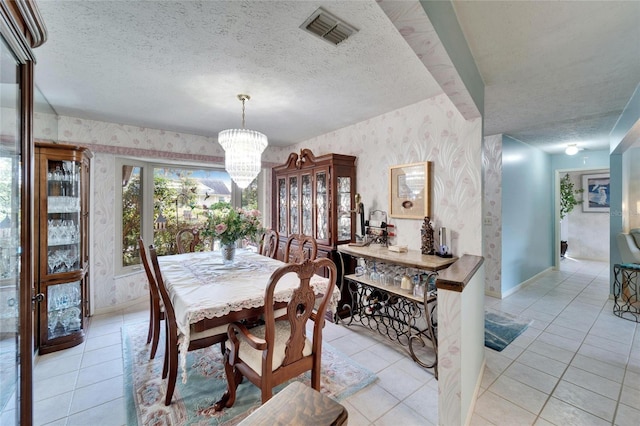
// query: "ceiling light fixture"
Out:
[572,149]
[243,151]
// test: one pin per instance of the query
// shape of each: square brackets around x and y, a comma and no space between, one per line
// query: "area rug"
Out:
[192,402]
[502,329]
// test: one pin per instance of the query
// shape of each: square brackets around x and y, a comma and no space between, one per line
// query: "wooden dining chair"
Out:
[279,350]
[269,243]
[188,239]
[294,251]
[197,339]
[156,308]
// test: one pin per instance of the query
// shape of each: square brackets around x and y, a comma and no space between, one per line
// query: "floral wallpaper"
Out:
[492,213]
[431,130]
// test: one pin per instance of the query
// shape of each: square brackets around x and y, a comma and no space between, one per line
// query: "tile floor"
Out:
[576,364]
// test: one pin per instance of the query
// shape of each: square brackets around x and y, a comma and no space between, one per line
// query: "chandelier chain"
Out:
[243,100]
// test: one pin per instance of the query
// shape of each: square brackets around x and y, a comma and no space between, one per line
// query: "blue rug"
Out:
[192,403]
[502,329]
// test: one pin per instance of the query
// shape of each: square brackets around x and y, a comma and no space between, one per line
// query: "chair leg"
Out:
[151,322]
[266,391]
[165,366]
[315,372]
[156,335]
[233,379]
[173,372]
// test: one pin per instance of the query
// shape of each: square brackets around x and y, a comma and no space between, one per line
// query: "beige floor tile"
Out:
[111,413]
[402,415]
[520,394]
[530,376]
[561,413]
[52,409]
[627,416]
[97,394]
[585,400]
[588,380]
[373,402]
[499,411]
[425,402]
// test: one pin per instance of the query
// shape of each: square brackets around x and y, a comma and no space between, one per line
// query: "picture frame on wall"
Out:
[596,195]
[410,190]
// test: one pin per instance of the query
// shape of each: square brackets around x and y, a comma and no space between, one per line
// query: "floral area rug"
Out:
[502,329]
[192,402]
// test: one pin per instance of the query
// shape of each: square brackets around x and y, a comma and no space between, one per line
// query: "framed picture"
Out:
[595,197]
[410,190]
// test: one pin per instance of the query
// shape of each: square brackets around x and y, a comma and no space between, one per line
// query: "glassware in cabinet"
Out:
[62,254]
[64,309]
[344,208]
[64,218]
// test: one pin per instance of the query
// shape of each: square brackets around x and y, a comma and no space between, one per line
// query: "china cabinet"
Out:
[315,196]
[62,266]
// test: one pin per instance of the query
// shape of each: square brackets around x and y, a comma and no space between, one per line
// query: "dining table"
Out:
[207,293]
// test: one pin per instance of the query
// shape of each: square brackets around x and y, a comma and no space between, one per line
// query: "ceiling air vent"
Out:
[326,26]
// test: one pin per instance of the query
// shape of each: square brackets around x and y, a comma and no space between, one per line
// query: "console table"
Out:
[391,311]
[625,291]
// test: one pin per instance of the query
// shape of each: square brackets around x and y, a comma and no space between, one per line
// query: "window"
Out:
[157,200]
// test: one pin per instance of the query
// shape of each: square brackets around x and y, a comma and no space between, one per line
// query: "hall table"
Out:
[396,313]
[626,301]
[206,293]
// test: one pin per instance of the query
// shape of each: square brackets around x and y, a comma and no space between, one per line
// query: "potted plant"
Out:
[568,201]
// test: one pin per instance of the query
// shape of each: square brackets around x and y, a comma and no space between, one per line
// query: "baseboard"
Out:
[119,307]
[476,391]
[523,284]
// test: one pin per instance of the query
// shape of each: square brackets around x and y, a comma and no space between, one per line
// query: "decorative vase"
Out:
[228,253]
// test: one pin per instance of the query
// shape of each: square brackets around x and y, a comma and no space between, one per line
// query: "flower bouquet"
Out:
[229,224]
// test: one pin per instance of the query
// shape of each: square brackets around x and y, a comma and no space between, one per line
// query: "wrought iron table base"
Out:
[625,292]
[394,315]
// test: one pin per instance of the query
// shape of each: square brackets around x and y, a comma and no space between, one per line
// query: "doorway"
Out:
[586,227]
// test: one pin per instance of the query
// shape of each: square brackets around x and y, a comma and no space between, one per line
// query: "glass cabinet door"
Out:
[63,217]
[344,208]
[322,206]
[64,309]
[293,205]
[282,206]
[307,205]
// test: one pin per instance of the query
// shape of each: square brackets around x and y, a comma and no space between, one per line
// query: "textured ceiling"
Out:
[555,72]
[179,66]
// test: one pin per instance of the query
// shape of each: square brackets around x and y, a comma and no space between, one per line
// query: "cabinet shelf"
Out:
[62,176]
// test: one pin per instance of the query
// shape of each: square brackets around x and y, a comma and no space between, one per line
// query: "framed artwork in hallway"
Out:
[596,197]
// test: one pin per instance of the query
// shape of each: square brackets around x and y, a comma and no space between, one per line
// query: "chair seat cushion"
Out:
[253,357]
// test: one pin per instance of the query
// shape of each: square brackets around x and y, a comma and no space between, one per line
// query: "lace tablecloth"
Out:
[201,286]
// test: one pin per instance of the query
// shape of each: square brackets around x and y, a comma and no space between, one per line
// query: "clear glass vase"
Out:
[228,253]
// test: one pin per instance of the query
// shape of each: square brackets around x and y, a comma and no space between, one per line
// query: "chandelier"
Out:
[243,151]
